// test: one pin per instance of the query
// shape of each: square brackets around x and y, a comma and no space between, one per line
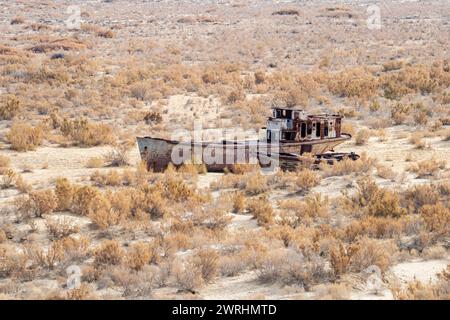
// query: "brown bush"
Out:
[24,137]
[188,276]
[362,137]
[416,140]
[87,134]
[256,183]
[262,211]
[436,217]
[8,179]
[363,165]
[37,203]
[4,163]
[208,262]
[64,192]
[60,228]
[306,179]
[10,107]
[83,199]
[290,267]
[356,82]
[427,168]
[139,255]
[95,162]
[108,252]
[239,202]
[118,156]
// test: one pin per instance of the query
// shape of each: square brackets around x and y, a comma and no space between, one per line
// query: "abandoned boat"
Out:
[292,136]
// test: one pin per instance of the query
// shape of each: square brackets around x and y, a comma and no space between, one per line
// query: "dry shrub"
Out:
[374,201]
[306,179]
[83,199]
[348,128]
[262,211]
[95,162]
[427,168]
[140,254]
[347,166]
[374,227]
[239,202]
[290,267]
[187,276]
[415,290]
[64,192]
[232,265]
[84,292]
[17,20]
[49,44]
[420,195]
[359,256]
[4,163]
[10,107]
[22,185]
[37,203]
[436,217]
[13,263]
[256,183]
[416,140]
[60,228]
[208,262]
[362,137]
[153,117]
[393,65]
[24,137]
[87,134]
[118,156]
[8,179]
[386,172]
[105,33]
[399,113]
[107,253]
[355,82]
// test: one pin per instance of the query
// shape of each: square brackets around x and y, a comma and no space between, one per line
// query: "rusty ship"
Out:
[292,137]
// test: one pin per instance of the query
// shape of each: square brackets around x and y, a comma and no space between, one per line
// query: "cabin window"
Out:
[295,114]
[309,131]
[325,129]
[303,130]
[269,135]
[318,130]
[289,114]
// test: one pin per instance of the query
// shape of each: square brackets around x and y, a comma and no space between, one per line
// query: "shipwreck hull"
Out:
[158,153]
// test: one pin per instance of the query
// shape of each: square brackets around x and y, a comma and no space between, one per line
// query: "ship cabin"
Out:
[294,125]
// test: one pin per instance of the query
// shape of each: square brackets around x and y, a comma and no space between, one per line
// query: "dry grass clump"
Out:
[347,166]
[107,253]
[374,201]
[427,168]
[290,267]
[59,228]
[355,82]
[188,276]
[36,203]
[118,156]
[239,202]
[362,137]
[436,217]
[64,192]
[141,254]
[400,113]
[416,140]
[10,107]
[8,178]
[361,255]
[18,20]
[4,163]
[87,134]
[24,137]
[95,162]
[416,290]
[262,211]
[48,44]
[255,184]
[386,173]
